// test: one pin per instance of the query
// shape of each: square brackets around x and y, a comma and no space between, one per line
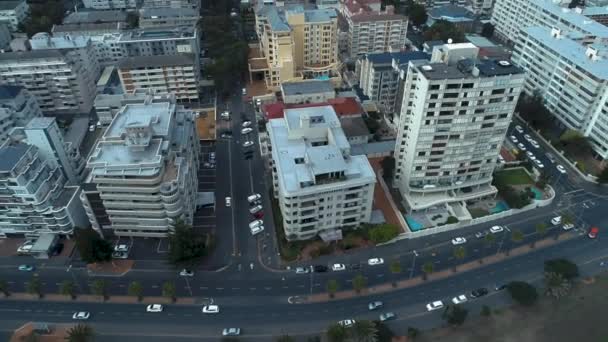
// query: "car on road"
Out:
[527,137]
[254,197]
[347,322]
[500,287]
[255,209]
[530,155]
[519,129]
[338,267]
[92,128]
[231,332]
[25,248]
[211,309]
[556,220]
[480,292]
[120,255]
[154,308]
[81,315]
[248,143]
[186,273]
[26,268]
[538,163]
[534,143]
[228,201]
[246,130]
[257,230]
[246,123]
[320,268]
[302,270]
[374,305]
[459,299]
[568,226]
[458,241]
[496,229]
[256,223]
[561,169]
[121,248]
[387,316]
[375,261]
[550,157]
[514,139]
[226,134]
[481,234]
[436,305]
[593,232]
[212,157]
[208,165]
[521,146]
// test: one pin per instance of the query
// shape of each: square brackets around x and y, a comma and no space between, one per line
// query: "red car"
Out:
[258,215]
[593,232]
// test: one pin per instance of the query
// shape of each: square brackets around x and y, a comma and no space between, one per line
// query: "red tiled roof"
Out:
[344,106]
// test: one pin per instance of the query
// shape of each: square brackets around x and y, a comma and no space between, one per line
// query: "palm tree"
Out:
[516,237]
[336,333]
[556,285]
[99,288]
[332,287]
[395,268]
[459,253]
[80,333]
[136,290]
[67,288]
[541,229]
[427,268]
[286,338]
[364,331]
[359,283]
[169,290]
[4,288]
[35,287]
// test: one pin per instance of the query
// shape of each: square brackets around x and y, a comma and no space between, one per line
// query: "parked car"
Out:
[302,270]
[593,232]
[519,129]
[186,273]
[387,316]
[500,287]
[244,91]
[120,255]
[81,315]
[320,268]
[231,332]
[254,197]
[480,292]
[436,305]
[481,234]
[211,309]
[246,130]
[257,230]
[154,308]
[347,323]
[25,248]
[256,223]
[561,169]
[121,248]
[521,146]
[496,229]
[458,241]
[255,209]
[375,261]
[248,143]
[259,215]
[374,305]
[26,268]
[538,163]
[568,226]
[514,139]
[527,137]
[534,143]
[208,165]
[556,220]
[246,123]
[338,267]
[459,299]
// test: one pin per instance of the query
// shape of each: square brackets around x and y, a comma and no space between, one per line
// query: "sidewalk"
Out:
[52,297]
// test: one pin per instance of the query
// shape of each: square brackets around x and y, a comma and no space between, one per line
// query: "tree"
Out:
[543,180]
[91,247]
[67,288]
[136,290]
[532,109]
[602,178]
[523,293]
[444,30]
[332,287]
[556,285]
[80,333]
[359,283]
[43,15]
[455,314]
[384,332]
[34,286]
[486,311]
[285,338]
[169,290]
[487,30]
[383,233]
[563,267]
[416,13]
[336,333]
[516,237]
[395,268]
[541,230]
[388,166]
[364,331]
[4,288]
[459,253]
[412,332]
[132,20]
[427,268]
[186,246]
[576,3]
[575,142]
[489,240]
[99,287]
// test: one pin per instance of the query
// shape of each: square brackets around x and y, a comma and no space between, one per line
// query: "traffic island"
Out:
[87,298]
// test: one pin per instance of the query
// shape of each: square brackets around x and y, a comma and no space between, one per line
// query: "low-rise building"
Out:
[110,4]
[17,108]
[167,17]
[309,91]
[192,4]
[355,130]
[96,17]
[321,187]
[460,16]
[108,105]
[14,13]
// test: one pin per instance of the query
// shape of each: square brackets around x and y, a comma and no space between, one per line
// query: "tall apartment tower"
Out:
[454,116]
[17,108]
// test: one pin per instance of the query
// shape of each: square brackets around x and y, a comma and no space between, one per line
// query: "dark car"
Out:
[57,249]
[480,292]
[258,215]
[355,266]
[500,287]
[226,134]
[320,268]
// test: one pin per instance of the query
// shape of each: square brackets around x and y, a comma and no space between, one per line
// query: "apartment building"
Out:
[34,195]
[437,3]
[371,29]
[509,17]
[481,6]
[96,17]
[294,44]
[571,77]
[167,17]
[14,13]
[309,91]
[108,105]
[597,13]
[322,189]
[17,107]
[192,4]
[379,76]
[455,113]
[110,4]
[166,74]
[143,171]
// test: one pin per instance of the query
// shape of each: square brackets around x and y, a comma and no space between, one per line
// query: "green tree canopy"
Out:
[523,293]
[364,331]
[337,333]
[34,286]
[455,314]
[99,287]
[556,285]
[416,13]
[43,15]
[4,288]
[563,267]
[91,247]
[388,166]
[383,233]
[285,338]
[169,290]
[602,178]
[359,282]
[68,288]
[444,30]
[332,286]
[487,30]
[136,290]
[186,246]
[80,333]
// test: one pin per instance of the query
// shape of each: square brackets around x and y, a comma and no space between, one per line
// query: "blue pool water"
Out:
[537,193]
[322,78]
[414,225]
[500,207]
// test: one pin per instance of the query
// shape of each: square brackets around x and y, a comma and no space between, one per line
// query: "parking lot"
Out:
[204,218]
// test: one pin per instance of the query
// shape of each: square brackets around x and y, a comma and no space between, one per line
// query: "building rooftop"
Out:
[354,126]
[156,61]
[29,55]
[595,10]
[465,67]
[479,41]
[343,106]
[109,16]
[80,27]
[572,16]
[167,12]
[44,41]
[277,16]
[306,87]
[400,57]
[185,32]
[9,5]
[40,123]
[10,154]
[320,15]
[452,13]
[9,92]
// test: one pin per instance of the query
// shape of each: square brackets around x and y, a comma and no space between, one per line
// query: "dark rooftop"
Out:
[8,92]
[401,57]
[34,54]
[9,5]
[10,154]
[464,69]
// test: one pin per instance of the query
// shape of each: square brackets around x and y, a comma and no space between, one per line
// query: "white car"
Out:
[538,163]
[81,315]
[568,226]
[375,261]
[25,248]
[530,155]
[92,128]
[246,130]
[302,270]
[231,332]
[186,273]
[527,137]
[255,209]
[534,143]
[556,220]
[257,230]
[121,248]
[256,223]
[387,316]
[514,139]
[519,129]
[521,146]
[374,305]
[154,308]
[254,197]
[496,229]
[459,299]
[347,323]
[244,91]
[211,309]
[338,267]
[436,305]
[246,123]
[228,201]
[248,143]
[458,241]
[561,169]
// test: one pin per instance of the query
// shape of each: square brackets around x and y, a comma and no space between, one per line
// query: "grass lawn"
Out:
[578,317]
[513,177]
[477,212]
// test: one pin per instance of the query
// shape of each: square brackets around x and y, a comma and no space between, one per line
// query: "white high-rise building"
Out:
[571,77]
[17,108]
[144,171]
[454,116]
[320,186]
[108,105]
[14,13]
[110,4]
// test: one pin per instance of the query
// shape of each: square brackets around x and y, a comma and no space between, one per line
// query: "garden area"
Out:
[517,188]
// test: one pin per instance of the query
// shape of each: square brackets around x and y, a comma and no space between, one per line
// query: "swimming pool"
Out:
[538,195]
[500,207]
[413,224]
